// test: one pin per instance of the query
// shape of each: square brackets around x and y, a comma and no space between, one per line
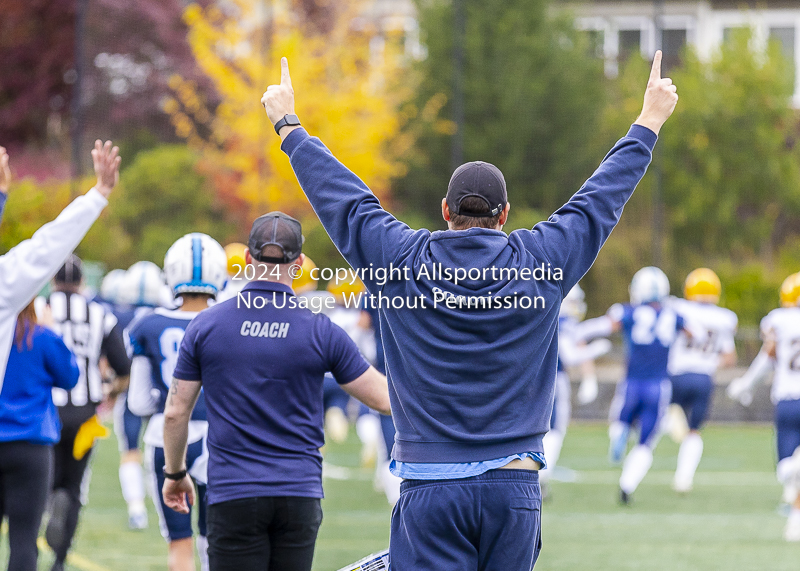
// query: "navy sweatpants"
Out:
[490,522]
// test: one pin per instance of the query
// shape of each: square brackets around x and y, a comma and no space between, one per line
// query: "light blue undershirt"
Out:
[451,471]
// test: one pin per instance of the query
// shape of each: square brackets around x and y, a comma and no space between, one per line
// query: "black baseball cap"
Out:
[71,272]
[276,229]
[479,179]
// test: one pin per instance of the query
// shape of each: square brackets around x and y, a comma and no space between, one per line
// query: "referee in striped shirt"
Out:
[91,331]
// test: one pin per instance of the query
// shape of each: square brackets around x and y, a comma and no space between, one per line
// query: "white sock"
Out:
[689,455]
[787,475]
[615,431]
[635,468]
[132,483]
[201,544]
[552,443]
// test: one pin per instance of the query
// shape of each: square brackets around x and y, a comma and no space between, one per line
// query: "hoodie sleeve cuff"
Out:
[642,134]
[293,140]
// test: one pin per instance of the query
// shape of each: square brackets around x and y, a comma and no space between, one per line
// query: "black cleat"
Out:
[624,498]
[57,566]
[56,532]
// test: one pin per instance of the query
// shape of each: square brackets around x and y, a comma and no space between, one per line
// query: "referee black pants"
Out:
[66,504]
[26,470]
[263,534]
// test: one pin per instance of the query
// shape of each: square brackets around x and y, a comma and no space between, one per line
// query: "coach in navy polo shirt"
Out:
[261,360]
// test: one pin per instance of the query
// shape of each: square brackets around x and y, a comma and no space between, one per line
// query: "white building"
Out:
[623,26]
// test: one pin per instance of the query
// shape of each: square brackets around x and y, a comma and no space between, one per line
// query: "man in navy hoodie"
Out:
[472,368]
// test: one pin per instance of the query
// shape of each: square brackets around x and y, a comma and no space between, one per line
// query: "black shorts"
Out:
[245,534]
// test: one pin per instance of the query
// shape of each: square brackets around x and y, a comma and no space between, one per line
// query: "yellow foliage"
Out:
[348,94]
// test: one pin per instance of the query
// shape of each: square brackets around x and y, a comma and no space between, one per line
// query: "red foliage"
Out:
[36,50]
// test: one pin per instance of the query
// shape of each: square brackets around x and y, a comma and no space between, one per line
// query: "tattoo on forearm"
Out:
[173,390]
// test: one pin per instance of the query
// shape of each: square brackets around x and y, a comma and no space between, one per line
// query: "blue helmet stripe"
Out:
[197,258]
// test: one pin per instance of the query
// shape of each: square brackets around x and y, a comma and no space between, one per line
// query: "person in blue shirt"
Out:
[469,332]
[649,329]
[195,268]
[29,426]
[260,359]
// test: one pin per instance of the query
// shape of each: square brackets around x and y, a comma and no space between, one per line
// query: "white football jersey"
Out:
[784,329]
[702,355]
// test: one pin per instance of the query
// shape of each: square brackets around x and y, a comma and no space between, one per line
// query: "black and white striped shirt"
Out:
[91,331]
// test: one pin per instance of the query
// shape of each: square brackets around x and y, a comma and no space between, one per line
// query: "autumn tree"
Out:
[349,92]
[132,49]
[37,39]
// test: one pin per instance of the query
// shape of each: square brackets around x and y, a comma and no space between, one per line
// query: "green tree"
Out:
[731,178]
[162,196]
[731,169]
[532,102]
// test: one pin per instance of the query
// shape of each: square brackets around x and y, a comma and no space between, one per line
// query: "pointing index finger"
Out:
[655,72]
[285,78]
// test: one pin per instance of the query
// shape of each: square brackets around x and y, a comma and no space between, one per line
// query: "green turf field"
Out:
[729,521]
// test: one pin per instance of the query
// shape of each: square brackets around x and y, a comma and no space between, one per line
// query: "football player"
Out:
[649,329]
[572,352]
[140,291]
[780,330]
[196,271]
[692,363]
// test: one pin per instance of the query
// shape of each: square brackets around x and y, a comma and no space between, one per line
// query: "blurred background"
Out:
[402,92]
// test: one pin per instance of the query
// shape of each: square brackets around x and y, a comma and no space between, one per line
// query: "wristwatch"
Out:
[287,121]
[177,476]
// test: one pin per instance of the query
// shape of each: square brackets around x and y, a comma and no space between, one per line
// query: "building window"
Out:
[672,43]
[594,41]
[630,42]
[786,38]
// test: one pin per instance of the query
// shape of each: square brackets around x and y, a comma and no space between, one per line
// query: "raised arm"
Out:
[573,236]
[28,266]
[352,215]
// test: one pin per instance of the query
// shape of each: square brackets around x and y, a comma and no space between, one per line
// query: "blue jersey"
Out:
[125,314]
[649,331]
[157,337]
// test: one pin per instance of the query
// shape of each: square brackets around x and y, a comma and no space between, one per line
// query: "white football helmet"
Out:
[573,304]
[143,285]
[112,286]
[196,263]
[649,285]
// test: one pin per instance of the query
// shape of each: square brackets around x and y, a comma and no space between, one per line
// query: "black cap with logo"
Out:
[481,180]
[276,229]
